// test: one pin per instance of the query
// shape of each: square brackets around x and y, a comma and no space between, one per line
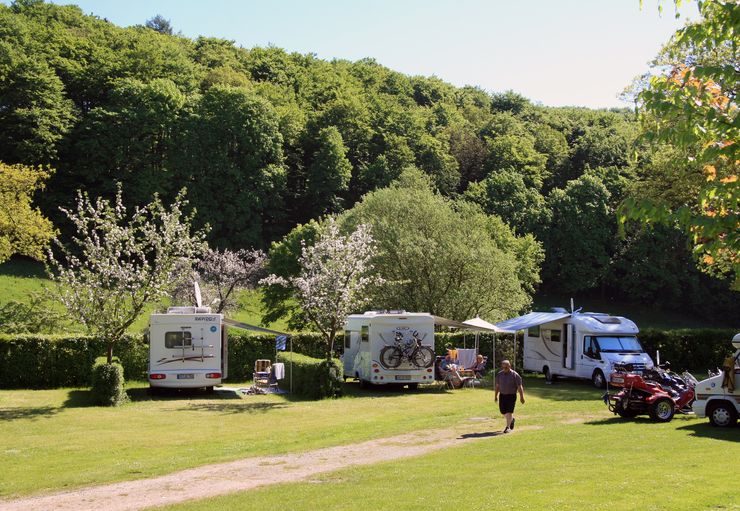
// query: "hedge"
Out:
[692,349]
[312,378]
[48,361]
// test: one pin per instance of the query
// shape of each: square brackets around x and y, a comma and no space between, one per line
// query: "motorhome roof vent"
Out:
[607,320]
[188,310]
[559,309]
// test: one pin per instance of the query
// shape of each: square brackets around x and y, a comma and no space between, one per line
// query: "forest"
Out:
[267,141]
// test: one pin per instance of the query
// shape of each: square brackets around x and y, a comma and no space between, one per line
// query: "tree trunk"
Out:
[110,352]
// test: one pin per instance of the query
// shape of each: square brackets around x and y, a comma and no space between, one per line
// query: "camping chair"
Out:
[261,374]
[453,380]
[481,371]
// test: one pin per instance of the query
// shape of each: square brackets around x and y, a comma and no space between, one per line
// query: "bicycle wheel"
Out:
[390,357]
[423,357]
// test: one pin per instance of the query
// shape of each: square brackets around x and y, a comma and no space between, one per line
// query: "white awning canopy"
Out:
[245,326]
[530,320]
[481,325]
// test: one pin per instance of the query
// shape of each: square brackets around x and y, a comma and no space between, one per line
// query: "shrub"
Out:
[312,378]
[107,383]
[245,348]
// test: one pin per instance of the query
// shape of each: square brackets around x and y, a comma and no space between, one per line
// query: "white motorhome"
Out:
[578,344]
[713,397]
[395,347]
[188,348]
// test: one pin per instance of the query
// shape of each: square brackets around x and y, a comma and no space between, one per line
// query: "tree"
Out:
[335,279]
[159,24]
[118,263]
[443,257]
[220,274]
[579,238]
[506,195]
[693,107]
[23,229]
[329,173]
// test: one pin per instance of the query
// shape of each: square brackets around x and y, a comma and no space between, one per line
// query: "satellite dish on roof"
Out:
[196,290]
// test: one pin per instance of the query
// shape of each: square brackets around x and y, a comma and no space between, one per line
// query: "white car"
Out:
[716,401]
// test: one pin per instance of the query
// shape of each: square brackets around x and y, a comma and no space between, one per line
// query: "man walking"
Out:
[508,383]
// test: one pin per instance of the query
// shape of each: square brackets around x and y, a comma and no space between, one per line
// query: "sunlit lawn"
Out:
[53,439]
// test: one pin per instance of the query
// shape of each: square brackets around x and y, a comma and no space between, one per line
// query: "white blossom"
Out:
[119,262]
[336,275]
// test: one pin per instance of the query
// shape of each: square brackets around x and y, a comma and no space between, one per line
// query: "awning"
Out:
[481,325]
[530,320]
[451,323]
[245,326]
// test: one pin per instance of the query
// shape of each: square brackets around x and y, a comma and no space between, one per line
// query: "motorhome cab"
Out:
[187,348]
[366,335]
[578,345]
[715,398]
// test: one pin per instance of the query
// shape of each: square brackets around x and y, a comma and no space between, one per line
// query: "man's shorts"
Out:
[506,403]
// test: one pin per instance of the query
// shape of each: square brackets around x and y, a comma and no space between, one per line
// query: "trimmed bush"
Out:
[312,378]
[107,383]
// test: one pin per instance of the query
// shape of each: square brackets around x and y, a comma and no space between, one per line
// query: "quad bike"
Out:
[655,392]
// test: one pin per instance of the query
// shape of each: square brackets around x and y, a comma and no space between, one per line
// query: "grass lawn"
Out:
[53,439]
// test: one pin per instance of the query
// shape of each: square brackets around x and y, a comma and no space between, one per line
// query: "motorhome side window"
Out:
[534,331]
[590,347]
[347,339]
[178,340]
[365,334]
[555,335]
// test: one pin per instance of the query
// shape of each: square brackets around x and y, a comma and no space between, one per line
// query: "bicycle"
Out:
[419,355]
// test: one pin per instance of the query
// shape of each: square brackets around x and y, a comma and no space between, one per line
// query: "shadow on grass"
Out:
[485,434]
[706,430]
[34,412]
[234,408]
[354,390]
[79,399]
[147,394]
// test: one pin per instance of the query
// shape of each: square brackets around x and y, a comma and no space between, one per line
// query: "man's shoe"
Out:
[512,424]
[506,430]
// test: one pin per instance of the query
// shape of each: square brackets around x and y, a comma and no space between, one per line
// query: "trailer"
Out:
[718,397]
[188,348]
[584,345]
[389,348]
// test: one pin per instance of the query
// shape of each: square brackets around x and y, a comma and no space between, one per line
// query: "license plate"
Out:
[185,376]
[403,376]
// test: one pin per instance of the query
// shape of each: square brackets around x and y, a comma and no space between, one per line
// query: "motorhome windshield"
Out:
[619,344]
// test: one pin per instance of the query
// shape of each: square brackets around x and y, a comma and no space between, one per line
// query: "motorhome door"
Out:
[568,346]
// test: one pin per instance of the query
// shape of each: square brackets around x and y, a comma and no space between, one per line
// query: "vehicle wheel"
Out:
[423,357]
[549,377]
[661,410]
[598,379]
[722,415]
[390,357]
[413,386]
[625,413]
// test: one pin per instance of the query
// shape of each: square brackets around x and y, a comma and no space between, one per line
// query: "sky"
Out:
[555,52]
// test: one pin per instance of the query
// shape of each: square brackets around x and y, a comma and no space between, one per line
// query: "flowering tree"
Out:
[336,275]
[221,274]
[117,263]
[691,105]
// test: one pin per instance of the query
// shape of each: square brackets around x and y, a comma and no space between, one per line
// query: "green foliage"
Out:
[693,108]
[329,173]
[689,349]
[506,195]
[23,229]
[311,378]
[445,258]
[580,235]
[108,384]
[34,314]
[48,361]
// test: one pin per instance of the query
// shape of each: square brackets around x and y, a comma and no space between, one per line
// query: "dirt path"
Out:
[249,473]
